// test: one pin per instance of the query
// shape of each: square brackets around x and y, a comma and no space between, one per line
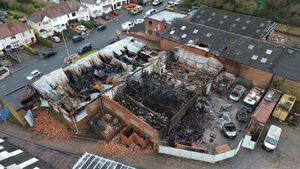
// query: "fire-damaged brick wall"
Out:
[129,118]
[257,77]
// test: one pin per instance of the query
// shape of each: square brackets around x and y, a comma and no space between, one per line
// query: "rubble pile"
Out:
[45,123]
[160,93]
[192,127]
[154,119]
[115,149]
[82,84]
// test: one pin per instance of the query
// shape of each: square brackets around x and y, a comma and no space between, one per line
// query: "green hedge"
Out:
[87,24]
[43,41]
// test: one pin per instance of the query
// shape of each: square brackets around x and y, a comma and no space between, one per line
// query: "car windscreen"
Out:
[271,140]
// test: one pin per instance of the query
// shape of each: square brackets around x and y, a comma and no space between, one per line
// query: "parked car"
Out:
[55,39]
[101,27]
[136,9]
[33,74]
[106,17]
[127,25]
[237,93]
[138,21]
[242,116]
[272,138]
[95,24]
[81,28]
[84,48]
[229,130]
[177,2]
[48,53]
[157,2]
[150,12]
[115,12]
[77,38]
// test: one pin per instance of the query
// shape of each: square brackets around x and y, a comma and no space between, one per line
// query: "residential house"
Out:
[259,61]
[56,18]
[117,4]
[95,7]
[14,35]
[107,5]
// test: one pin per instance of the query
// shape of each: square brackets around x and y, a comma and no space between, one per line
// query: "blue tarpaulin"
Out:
[4,113]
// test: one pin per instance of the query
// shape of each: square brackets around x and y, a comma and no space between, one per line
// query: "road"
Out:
[98,40]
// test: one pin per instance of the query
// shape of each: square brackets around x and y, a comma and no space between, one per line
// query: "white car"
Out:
[237,93]
[150,12]
[127,25]
[81,28]
[33,74]
[272,138]
[138,21]
[55,39]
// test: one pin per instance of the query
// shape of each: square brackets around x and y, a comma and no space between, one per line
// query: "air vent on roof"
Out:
[262,25]
[209,19]
[263,60]
[172,32]
[221,22]
[183,27]
[208,35]
[251,46]
[238,19]
[257,31]
[195,31]
[225,16]
[244,27]
[183,36]
[201,44]
[213,14]
[269,51]
[254,57]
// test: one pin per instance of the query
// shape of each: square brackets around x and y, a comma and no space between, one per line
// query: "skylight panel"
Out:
[254,57]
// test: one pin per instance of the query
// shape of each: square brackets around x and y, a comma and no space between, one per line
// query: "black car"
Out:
[101,27]
[48,53]
[77,38]
[95,24]
[84,48]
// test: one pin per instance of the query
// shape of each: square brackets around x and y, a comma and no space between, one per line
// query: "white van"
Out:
[272,138]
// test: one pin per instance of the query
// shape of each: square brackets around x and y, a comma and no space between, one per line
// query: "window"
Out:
[23,34]
[29,31]
[13,37]
[68,16]
[150,32]
[150,22]
[166,27]
[73,14]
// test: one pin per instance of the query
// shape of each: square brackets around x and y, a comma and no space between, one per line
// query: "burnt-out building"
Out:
[253,59]
[75,90]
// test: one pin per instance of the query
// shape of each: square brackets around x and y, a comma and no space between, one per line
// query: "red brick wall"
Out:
[130,119]
[151,29]
[287,86]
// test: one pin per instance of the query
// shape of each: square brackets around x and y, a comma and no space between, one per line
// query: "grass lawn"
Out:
[13,120]
[17,13]
[86,54]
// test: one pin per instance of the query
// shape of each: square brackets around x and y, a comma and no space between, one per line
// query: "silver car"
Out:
[237,93]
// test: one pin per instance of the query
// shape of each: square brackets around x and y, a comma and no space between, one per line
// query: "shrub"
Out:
[43,41]
[30,49]
[87,24]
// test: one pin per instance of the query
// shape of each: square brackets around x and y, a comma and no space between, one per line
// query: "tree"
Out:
[229,6]
[277,3]
[14,5]
[247,7]
[214,3]
[28,8]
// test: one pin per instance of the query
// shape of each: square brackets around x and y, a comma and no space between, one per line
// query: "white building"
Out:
[55,18]
[117,4]
[14,35]
[95,7]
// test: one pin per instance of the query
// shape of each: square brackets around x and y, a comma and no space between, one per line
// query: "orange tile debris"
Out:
[45,123]
[116,149]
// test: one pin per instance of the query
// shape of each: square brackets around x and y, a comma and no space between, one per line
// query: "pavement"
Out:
[98,39]
[286,156]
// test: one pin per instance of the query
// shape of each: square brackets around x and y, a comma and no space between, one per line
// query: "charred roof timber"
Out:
[81,82]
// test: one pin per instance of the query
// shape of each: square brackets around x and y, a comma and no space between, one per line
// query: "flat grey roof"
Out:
[167,16]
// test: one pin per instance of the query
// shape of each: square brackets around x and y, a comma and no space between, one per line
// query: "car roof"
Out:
[274,131]
[34,71]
